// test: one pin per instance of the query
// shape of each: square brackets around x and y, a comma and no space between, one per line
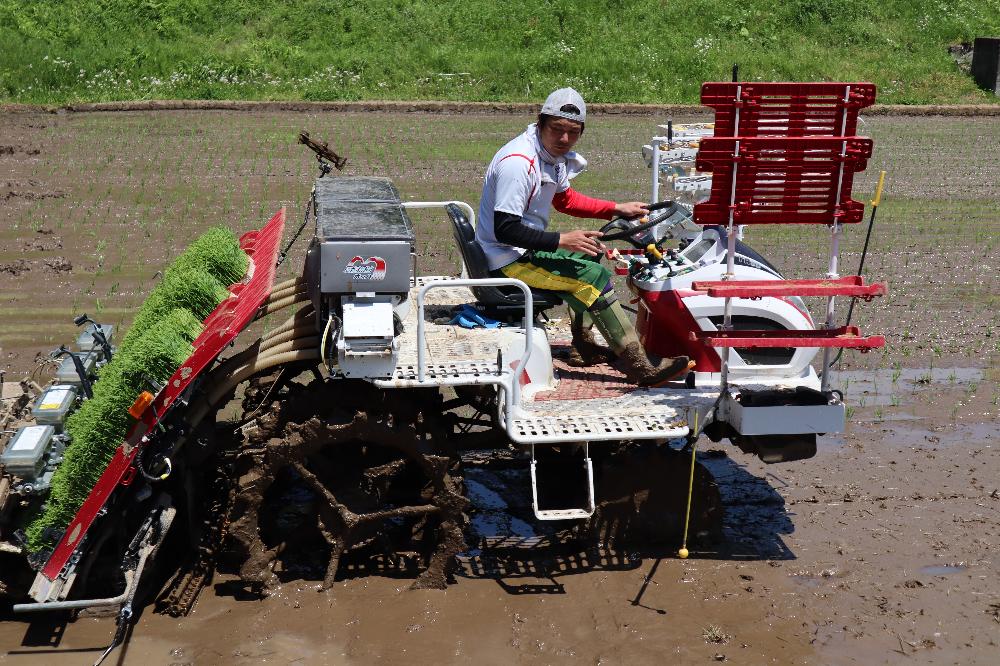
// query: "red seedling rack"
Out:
[852,285]
[844,336]
[787,109]
[785,153]
[769,180]
[221,327]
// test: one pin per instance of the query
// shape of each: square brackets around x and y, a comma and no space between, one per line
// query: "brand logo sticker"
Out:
[372,268]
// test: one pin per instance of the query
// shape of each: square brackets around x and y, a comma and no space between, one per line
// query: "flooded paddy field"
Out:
[880,549]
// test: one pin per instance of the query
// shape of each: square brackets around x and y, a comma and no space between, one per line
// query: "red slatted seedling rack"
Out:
[220,328]
[785,153]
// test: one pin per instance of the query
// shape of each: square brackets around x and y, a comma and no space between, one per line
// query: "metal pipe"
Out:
[727,318]
[529,319]
[835,230]
[656,170]
[441,204]
[79,603]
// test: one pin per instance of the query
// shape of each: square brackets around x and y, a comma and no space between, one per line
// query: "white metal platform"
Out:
[458,356]
[664,413]
[455,355]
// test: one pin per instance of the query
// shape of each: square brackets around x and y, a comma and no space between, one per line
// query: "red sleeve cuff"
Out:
[573,203]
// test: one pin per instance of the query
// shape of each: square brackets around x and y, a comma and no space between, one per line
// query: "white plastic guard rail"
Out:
[441,204]
[512,387]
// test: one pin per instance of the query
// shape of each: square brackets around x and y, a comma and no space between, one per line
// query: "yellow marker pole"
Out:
[683,552]
[864,251]
[878,189]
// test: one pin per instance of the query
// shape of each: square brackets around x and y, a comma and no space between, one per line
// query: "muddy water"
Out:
[591,617]
[881,546]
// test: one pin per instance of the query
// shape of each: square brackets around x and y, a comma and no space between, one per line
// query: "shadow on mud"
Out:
[537,555]
[527,556]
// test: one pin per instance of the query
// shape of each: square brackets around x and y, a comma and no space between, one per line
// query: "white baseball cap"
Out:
[559,99]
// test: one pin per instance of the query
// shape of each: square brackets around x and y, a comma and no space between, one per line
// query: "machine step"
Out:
[845,336]
[564,514]
[852,285]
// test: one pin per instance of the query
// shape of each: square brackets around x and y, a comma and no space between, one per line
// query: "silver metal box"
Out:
[25,455]
[66,374]
[85,341]
[54,405]
[787,419]
[352,267]
[364,235]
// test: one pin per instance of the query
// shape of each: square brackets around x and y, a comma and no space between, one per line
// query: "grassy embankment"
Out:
[643,51]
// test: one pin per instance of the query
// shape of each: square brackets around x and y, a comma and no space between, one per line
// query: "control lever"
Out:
[97,332]
[88,390]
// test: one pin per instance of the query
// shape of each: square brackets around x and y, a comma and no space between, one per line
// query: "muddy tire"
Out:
[331,470]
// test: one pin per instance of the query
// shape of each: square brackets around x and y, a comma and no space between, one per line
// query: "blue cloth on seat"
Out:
[468,316]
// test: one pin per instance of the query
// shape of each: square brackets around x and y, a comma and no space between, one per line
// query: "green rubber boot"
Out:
[586,351]
[618,330]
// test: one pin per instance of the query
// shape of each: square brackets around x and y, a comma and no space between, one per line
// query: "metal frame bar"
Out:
[835,231]
[656,170]
[441,204]
[512,386]
[727,312]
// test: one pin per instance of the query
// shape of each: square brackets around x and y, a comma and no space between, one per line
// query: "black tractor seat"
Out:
[500,302]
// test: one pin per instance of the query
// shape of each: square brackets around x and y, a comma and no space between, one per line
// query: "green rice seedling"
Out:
[183,287]
[101,423]
[218,253]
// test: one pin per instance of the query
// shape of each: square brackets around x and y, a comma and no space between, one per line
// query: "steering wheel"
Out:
[621,229]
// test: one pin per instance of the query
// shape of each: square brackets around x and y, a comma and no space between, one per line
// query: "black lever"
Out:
[97,332]
[80,370]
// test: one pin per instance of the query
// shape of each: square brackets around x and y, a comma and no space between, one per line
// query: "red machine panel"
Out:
[845,336]
[787,109]
[780,180]
[664,324]
[221,327]
[851,285]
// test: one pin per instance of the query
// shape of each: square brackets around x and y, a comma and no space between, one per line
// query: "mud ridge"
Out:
[427,106]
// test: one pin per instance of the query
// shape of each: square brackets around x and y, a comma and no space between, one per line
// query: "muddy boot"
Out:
[640,371]
[618,330]
[586,352]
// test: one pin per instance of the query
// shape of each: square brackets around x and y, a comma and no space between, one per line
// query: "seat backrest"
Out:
[465,238]
[477,267]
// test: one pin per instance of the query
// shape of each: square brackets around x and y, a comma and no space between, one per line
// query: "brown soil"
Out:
[458,108]
[881,546]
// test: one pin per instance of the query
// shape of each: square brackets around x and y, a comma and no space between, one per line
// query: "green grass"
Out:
[643,51]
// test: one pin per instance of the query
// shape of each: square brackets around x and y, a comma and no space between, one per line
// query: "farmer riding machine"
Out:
[368,395]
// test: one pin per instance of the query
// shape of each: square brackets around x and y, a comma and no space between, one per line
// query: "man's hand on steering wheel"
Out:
[582,241]
[621,228]
[631,209]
